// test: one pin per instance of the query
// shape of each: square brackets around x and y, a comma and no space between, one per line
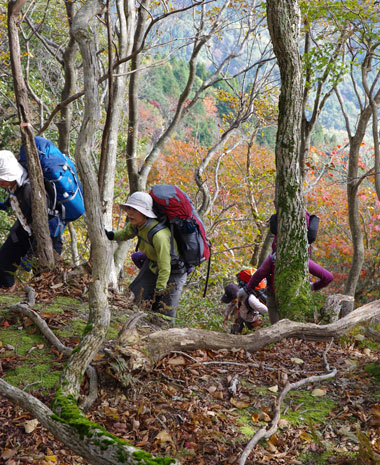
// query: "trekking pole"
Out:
[208,274]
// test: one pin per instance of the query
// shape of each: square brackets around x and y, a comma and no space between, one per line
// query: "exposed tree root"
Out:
[142,352]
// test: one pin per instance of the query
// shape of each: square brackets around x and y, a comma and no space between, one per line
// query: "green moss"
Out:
[7,300]
[147,459]
[313,409]
[374,370]
[67,411]
[247,431]
[76,327]
[36,366]
[87,328]
[322,458]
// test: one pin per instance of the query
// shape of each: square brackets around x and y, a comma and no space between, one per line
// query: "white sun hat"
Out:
[141,202]
[10,168]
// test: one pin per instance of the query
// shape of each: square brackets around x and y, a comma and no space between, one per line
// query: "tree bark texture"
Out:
[99,317]
[39,208]
[291,279]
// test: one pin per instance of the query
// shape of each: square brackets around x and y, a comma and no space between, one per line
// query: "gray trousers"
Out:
[144,284]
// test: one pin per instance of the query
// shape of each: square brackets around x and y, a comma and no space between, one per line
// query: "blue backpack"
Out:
[62,174]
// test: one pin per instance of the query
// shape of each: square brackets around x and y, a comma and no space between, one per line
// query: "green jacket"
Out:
[158,254]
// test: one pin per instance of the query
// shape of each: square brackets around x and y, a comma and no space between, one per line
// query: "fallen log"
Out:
[142,352]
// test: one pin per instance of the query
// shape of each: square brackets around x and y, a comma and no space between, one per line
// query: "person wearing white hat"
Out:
[20,241]
[159,282]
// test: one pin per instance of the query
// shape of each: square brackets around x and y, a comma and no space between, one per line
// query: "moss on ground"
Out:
[374,370]
[32,358]
[305,408]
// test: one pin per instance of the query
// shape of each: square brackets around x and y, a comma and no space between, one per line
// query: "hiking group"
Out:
[171,239]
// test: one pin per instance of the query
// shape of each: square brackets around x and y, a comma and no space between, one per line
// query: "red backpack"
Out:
[174,209]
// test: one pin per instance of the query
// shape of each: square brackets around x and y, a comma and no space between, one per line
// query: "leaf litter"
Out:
[186,407]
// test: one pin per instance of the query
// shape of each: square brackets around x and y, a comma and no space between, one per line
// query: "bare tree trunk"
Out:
[127,23]
[266,248]
[39,208]
[100,250]
[292,274]
[367,111]
[64,125]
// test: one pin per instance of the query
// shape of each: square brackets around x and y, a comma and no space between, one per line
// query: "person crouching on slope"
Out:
[20,241]
[267,271]
[247,313]
[159,281]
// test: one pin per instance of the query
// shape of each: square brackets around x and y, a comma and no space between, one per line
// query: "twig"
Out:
[263,432]
[54,341]
[31,295]
[185,355]
[233,386]
[42,326]
[267,433]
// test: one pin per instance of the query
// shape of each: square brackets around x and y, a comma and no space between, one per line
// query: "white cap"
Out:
[10,168]
[141,202]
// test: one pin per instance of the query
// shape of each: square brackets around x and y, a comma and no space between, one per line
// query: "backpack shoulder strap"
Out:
[151,233]
[155,230]
[158,227]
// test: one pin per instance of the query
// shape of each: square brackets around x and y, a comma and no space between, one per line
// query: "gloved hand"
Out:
[110,234]
[157,301]
[138,259]
[242,295]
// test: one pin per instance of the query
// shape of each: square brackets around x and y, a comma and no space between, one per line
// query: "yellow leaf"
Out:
[296,360]
[240,403]
[273,389]
[164,436]
[111,412]
[177,361]
[30,425]
[51,458]
[273,440]
[263,416]
[305,436]
[255,417]
[317,392]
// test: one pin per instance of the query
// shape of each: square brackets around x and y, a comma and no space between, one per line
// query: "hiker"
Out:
[159,281]
[20,241]
[312,223]
[247,313]
[267,270]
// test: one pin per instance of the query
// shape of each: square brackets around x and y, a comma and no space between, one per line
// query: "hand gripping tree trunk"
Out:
[291,279]
[39,208]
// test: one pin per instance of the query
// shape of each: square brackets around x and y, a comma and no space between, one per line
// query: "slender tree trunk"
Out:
[127,24]
[291,279]
[70,76]
[39,208]
[100,249]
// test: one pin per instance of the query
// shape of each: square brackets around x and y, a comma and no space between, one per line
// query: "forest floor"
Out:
[202,407]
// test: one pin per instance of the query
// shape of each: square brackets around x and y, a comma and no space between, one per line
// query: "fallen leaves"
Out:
[30,426]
